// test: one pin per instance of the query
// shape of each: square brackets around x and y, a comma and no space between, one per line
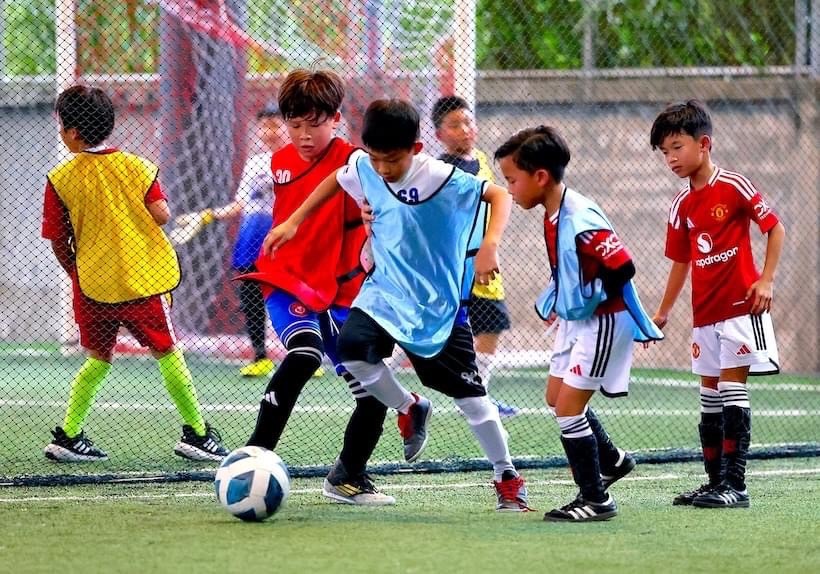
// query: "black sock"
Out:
[582,454]
[362,434]
[607,452]
[711,443]
[737,436]
[253,307]
[284,388]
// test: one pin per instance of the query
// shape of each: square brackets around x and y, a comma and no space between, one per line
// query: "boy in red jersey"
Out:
[591,295]
[103,213]
[732,336]
[309,284]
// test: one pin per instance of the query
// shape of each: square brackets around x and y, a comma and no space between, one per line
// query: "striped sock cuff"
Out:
[576,426]
[710,400]
[734,394]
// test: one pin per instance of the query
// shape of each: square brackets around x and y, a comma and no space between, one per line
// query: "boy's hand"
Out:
[486,263]
[760,294]
[367,217]
[277,237]
[660,320]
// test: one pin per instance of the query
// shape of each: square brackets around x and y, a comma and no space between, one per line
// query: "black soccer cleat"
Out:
[722,496]
[626,464]
[413,427]
[579,510]
[686,498]
[72,449]
[201,448]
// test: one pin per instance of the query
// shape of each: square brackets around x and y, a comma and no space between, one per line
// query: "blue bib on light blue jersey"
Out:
[566,294]
[425,231]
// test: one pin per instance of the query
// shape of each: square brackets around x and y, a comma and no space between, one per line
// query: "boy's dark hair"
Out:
[312,95]
[537,148]
[271,110]
[88,110]
[390,125]
[690,118]
[444,106]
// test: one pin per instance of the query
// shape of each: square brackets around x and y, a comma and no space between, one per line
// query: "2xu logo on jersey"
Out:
[705,245]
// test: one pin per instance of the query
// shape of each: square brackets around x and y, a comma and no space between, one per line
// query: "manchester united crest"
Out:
[719,212]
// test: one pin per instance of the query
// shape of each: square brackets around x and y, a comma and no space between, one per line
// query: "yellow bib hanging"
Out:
[495,288]
[122,254]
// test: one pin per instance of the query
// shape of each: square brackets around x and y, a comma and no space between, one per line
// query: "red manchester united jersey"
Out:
[597,249]
[709,227]
[319,266]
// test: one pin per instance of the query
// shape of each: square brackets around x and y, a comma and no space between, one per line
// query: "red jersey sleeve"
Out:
[155,193]
[56,223]
[760,212]
[605,247]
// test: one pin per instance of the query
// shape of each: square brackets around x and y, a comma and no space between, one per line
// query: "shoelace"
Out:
[213,433]
[365,482]
[509,488]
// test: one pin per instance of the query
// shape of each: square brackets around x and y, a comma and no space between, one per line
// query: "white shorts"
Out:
[745,341]
[595,354]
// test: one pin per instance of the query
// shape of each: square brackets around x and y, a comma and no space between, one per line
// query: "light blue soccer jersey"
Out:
[423,229]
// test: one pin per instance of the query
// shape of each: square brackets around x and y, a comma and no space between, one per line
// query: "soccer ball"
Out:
[252,483]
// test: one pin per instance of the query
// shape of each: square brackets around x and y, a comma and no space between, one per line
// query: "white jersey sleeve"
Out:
[255,190]
[348,177]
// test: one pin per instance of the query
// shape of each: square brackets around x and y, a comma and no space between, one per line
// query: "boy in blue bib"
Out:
[428,243]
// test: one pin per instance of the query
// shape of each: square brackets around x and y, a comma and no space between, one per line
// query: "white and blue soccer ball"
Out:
[252,483]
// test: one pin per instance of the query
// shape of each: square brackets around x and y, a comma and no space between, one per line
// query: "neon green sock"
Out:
[84,388]
[180,386]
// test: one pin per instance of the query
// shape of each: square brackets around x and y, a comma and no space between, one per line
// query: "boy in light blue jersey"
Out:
[428,243]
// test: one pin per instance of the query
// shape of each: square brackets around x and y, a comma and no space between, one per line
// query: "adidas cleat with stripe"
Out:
[72,449]
[688,497]
[723,496]
[580,510]
[360,491]
[200,448]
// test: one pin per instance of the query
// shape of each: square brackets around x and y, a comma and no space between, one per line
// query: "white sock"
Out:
[485,423]
[484,362]
[380,382]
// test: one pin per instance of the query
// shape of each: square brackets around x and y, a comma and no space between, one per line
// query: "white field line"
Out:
[388,487]
[343,409]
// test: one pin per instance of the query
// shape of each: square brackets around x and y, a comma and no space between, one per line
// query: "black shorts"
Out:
[452,372]
[488,315]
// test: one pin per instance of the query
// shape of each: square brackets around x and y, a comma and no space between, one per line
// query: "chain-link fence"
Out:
[188,79]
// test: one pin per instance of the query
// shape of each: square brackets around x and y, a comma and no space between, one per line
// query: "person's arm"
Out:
[761,290]
[674,285]
[285,231]
[227,211]
[486,260]
[57,229]
[64,252]
[156,202]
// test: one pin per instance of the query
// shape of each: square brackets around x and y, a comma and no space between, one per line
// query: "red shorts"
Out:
[148,320]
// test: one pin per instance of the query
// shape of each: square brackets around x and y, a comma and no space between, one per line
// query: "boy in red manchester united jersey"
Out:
[309,284]
[708,230]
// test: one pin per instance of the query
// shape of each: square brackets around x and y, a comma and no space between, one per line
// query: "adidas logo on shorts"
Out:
[743,350]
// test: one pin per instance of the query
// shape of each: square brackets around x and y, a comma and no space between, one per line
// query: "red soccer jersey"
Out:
[709,227]
[318,266]
[601,248]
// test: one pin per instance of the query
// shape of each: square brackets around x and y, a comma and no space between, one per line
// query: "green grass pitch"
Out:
[441,523]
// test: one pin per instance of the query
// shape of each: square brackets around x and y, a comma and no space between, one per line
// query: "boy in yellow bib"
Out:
[102,212]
